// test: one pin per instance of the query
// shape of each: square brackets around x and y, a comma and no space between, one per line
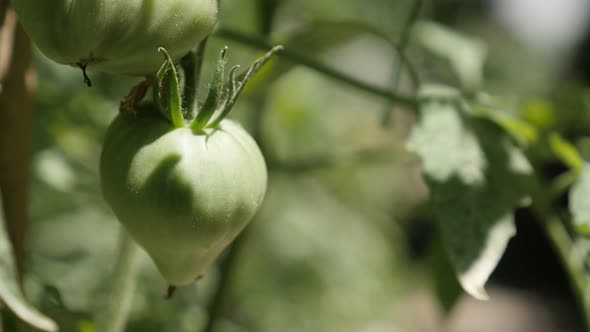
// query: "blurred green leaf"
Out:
[311,263]
[10,291]
[566,152]
[520,130]
[313,40]
[539,113]
[579,201]
[382,15]
[476,177]
[309,117]
[465,54]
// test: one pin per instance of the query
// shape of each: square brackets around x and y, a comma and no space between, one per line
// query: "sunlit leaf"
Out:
[476,177]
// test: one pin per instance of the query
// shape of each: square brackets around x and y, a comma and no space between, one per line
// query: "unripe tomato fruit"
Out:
[116,36]
[182,195]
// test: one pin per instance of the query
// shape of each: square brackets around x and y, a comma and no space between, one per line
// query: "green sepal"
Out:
[160,75]
[214,98]
[174,100]
[188,64]
[236,86]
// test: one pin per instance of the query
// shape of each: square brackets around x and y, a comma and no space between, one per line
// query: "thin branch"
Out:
[302,59]
[403,43]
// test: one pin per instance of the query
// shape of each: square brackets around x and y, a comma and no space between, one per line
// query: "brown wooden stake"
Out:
[17,84]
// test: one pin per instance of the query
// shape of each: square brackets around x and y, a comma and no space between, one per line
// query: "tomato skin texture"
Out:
[182,196]
[116,36]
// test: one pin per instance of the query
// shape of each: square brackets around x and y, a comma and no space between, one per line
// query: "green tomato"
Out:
[183,196]
[116,36]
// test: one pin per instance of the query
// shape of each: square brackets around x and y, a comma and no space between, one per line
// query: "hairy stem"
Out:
[111,315]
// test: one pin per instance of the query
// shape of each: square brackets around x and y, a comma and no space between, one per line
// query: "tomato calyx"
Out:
[220,99]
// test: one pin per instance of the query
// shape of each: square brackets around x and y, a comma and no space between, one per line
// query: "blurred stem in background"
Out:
[111,314]
[263,44]
[401,51]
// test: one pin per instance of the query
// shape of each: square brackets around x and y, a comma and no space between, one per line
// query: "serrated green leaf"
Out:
[579,201]
[10,292]
[476,177]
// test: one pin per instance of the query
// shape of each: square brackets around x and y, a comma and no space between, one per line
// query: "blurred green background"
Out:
[345,240]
